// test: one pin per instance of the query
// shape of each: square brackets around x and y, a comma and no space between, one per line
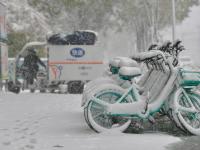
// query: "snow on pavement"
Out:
[55,122]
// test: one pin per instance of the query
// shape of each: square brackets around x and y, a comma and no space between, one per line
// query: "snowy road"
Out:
[55,122]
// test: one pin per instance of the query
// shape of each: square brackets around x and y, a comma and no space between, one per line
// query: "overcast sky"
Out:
[189,32]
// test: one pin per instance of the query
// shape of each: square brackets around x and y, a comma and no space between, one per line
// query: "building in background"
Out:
[3,46]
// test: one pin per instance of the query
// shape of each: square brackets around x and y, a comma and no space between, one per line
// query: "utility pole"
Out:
[173,21]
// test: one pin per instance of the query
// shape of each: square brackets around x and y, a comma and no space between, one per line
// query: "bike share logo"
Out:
[77,52]
[57,71]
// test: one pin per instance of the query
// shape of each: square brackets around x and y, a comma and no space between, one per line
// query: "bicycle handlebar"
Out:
[152,47]
[152,55]
[176,43]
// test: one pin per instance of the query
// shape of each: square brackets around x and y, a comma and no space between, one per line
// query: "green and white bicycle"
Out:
[172,89]
[110,76]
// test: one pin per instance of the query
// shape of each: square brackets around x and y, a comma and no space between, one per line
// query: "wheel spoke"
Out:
[97,115]
[196,123]
[109,122]
[97,107]
[98,101]
[110,100]
[196,103]
[198,118]
[188,99]
[97,110]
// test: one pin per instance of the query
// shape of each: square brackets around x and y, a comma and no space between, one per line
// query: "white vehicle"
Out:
[74,64]
[70,63]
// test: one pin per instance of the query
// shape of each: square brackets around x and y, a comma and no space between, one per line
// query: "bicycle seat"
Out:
[119,62]
[128,62]
[127,73]
[114,65]
[114,62]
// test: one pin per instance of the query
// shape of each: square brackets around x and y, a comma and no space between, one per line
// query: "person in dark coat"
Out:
[31,61]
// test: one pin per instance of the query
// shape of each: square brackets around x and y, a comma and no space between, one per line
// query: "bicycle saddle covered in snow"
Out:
[128,63]
[118,62]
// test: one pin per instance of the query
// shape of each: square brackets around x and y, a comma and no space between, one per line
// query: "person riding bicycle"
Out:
[31,67]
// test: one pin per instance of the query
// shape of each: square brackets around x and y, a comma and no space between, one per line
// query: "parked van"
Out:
[72,60]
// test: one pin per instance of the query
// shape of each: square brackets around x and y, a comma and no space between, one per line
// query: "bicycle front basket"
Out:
[190,78]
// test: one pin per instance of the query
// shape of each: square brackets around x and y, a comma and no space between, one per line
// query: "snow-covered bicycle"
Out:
[111,107]
[110,76]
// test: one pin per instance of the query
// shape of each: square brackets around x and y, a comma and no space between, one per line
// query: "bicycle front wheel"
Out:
[96,113]
[188,111]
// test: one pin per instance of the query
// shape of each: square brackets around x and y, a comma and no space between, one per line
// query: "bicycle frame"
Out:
[185,88]
[140,106]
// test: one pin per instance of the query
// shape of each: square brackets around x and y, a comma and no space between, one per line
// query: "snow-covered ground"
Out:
[54,121]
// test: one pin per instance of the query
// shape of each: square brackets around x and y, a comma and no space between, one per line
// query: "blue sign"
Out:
[77,52]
